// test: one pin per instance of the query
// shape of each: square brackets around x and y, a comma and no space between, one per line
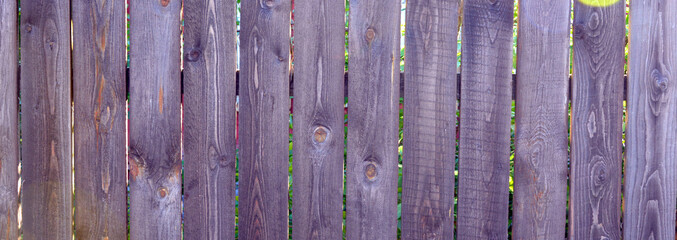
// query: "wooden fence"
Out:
[579,171]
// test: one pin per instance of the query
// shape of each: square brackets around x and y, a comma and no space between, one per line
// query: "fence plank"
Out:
[209,119]
[596,116]
[651,143]
[484,148]
[9,114]
[46,122]
[372,171]
[264,119]
[318,119]
[541,137]
[429,120]
[155,120]
[99,95]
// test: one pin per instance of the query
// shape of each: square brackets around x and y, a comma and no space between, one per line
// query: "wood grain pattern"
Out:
[596,116]
[319,37]
[99,95]
[9,125]
[209,119]
[484,147]
[541,111]
[651,137]
[155,120]
[46,120]
[429,120]
[373,99]
[264,119]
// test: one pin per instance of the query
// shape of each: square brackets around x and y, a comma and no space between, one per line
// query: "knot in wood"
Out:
[579,30]
[164,2]
[370,34]
[163,192]
[29,28]
[193,55]
[320,134]
[370,171]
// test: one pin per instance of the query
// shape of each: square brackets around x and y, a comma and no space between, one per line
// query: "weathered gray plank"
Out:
[155,120]
[484,147]
[99,95]
[373,96]
[541,137]
[9,114]
[651,137]
[209,119]
[596,116]
[319,40]
[429,120]
[264,119]
[46,119]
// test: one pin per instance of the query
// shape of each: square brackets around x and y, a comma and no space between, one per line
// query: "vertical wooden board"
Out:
[99,96]
[651,137]
[429,119]
[484,147]
[264,119]
[596,116]
[319,39]
[373,108]
[9,114]
[155,120]
[46,120]
[541,111]
[209,119]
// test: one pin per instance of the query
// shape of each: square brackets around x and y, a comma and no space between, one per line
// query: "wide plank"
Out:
[319,38]
[155,120]
[429,119]
[651,133]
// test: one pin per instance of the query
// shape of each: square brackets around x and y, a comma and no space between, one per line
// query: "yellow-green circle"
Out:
[598,3]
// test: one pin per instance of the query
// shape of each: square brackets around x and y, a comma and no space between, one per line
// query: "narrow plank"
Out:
[484,147]
[46,120]
[651,137]
[9,114]
[429,120]
[319,39]
[373,96]
[541,111]
[155,120]
[99,96]
[264,119]
[209,119]
[596,117]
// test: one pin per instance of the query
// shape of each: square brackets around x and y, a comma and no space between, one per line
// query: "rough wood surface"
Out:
[264,119]
[99,95]
[651,137]
[155,120]
[319,38]
[484,147]
[596,116]
[209,119]
[9,114]
[541,111]
[429,120]
[46,120]
[373,108]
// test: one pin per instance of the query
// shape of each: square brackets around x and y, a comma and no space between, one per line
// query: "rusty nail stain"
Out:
[370,171]
[160,99]
[370,34]
[163,192]
[164,2]
[320,134]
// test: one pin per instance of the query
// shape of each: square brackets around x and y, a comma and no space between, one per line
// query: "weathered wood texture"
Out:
[651,137]
[318,119]
[596,117]
[484,147]
[429,120]
[374,50]
[264,119]
[46,120]
[155,120]
[541,137]
[209,119]
[9,114]
[99,95]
